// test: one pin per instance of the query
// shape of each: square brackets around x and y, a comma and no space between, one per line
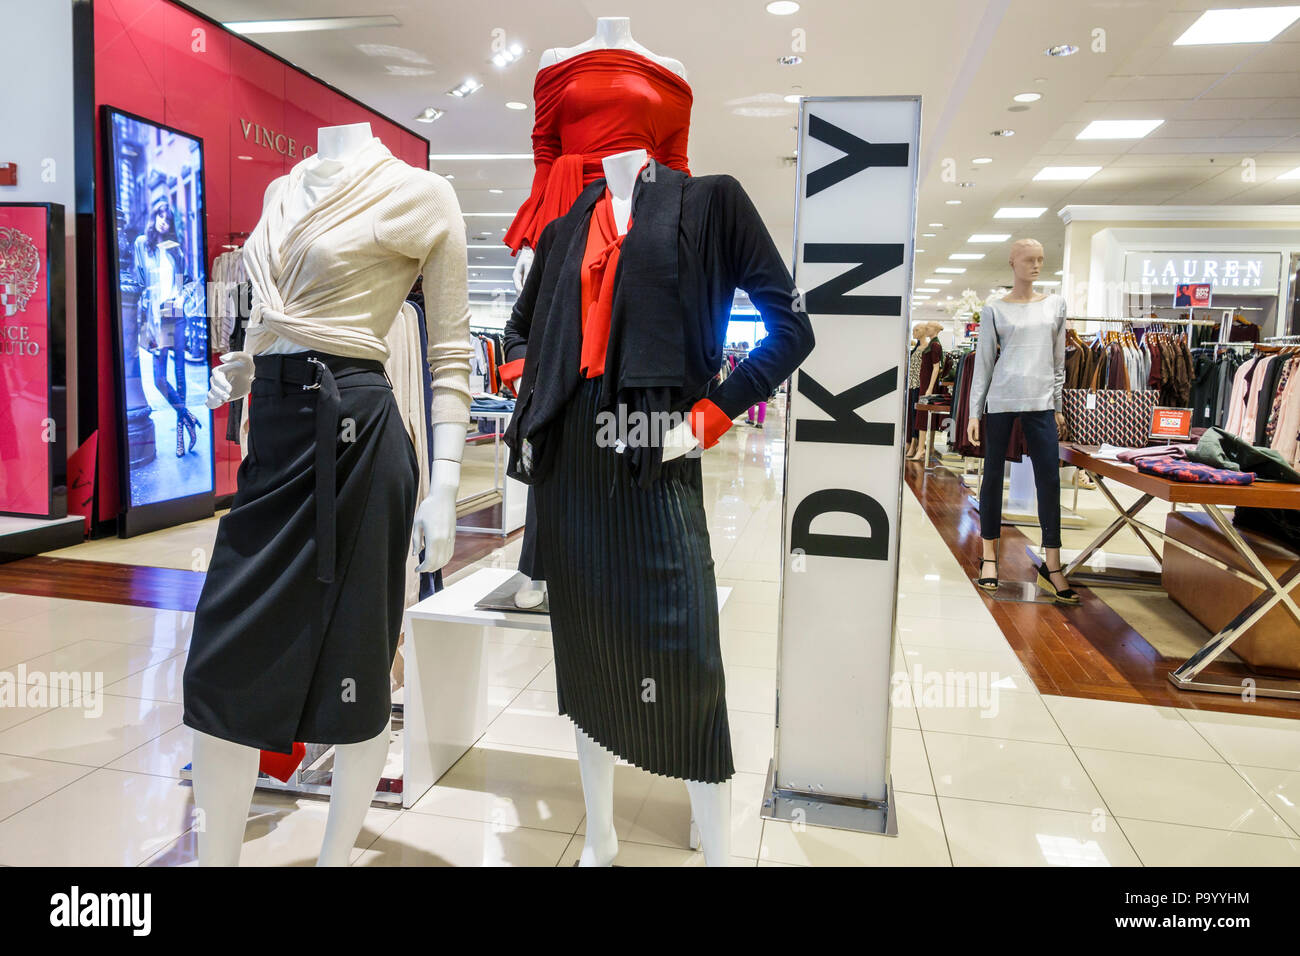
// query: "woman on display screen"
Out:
[159,260]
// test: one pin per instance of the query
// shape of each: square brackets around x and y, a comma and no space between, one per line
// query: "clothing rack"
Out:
[1281,339]
[1144,320]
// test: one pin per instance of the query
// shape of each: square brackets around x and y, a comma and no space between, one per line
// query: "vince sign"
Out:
[281,143]
[854,222]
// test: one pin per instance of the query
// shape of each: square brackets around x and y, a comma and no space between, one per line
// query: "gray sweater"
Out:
[1028,375]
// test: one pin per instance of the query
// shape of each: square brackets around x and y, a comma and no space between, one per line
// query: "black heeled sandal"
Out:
[988,584]
[1063,596]
[192,425]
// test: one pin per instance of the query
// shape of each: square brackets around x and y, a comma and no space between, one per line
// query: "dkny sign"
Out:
[854,222]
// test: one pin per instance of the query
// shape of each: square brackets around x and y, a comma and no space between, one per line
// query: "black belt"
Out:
[312,373]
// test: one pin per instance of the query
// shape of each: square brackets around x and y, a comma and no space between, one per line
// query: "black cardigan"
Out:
[672,303]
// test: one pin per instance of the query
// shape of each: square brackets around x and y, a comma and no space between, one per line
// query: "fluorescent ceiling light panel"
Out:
[1020,212]
[1243,25]
[1066,173]
[1119,129]
[309,24]
[1294,174]
[479,157]
[990,237]
[966,256]
[1027,97]
[949,270]
[927,289]
[982,160]
[938,281]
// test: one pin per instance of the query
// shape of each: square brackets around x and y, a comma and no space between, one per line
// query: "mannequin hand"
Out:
[523,262]
[434,530]
[1060,424]
[679,440]
[973,431]
[232,379]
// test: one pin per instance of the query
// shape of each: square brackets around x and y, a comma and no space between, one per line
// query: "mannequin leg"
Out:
[711,806]
[1041,436]
[996,428]
[356,774]
[224,775]
[596,765]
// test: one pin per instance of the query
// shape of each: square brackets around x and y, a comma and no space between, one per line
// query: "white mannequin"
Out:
[710,802]
[225,772]
[612,33]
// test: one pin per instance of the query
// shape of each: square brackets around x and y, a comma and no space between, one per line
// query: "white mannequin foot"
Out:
[530,594]
[711,807]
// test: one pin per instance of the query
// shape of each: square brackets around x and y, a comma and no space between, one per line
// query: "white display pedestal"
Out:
[446,696]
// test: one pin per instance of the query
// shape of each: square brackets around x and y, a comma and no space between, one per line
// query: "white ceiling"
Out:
[967,59]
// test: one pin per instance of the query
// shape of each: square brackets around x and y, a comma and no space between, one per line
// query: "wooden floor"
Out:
[1084,651]
[170,589]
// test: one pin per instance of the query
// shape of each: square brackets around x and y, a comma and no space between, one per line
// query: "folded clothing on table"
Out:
[1179,469]
[1132,455]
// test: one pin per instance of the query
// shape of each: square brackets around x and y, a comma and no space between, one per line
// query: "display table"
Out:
[930,412]
[1209,498]
[446,696]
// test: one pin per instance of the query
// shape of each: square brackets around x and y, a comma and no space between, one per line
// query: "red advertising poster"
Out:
[27,430]
[1192,295]
[1171,423]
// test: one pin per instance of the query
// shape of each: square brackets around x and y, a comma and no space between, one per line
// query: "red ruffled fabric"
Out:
[591,106]
[599,267]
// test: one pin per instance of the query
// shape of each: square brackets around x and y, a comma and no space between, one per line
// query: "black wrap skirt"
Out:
[634,606]
[297,625]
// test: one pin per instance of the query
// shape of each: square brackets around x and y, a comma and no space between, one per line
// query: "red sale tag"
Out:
[1171,422]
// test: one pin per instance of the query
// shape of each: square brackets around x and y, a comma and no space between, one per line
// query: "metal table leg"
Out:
[1125,516]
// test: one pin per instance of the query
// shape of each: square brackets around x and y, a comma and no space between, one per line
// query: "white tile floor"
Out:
[1032,781]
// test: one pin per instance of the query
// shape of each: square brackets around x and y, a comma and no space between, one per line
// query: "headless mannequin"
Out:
[710,802]
[224,772]
[1026,262]
[612,33]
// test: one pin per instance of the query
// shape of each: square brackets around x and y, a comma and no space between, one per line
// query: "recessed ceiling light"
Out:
[982,160]
[967,185]
[966,256]
[1027,97]
[1003,132]
[1046,282]
[507,56]
[953,202]
[990,237]
[1066,173]
[1118,129]
[496,192]
[1062,49]
[1293,174]
[927,289]
[478,157]
[789,60]
[792,97]
[920,298]
[429,115]
[933,281]
[468,86]
[936,225]
[924,235]
[782,8]
[949,270]
[917,251]
[308,24]
[516,105]
[1020,212]
[1245,25]
[1060,272]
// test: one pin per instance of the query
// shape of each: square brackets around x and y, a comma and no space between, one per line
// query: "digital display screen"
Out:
[159,272]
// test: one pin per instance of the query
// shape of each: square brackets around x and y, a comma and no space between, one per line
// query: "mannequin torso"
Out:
[612,33]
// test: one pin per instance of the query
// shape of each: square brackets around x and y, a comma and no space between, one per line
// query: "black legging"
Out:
[1044,452]
[175,396]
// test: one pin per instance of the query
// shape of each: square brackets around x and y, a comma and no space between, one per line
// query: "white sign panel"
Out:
[1243,273]
[854,223]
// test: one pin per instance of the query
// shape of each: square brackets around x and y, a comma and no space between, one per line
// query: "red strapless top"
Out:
[591,106]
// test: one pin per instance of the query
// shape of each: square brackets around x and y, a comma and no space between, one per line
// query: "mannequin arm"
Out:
[435,520]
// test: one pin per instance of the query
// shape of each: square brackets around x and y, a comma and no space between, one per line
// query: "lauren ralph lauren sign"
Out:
[854,222]
[1243,273]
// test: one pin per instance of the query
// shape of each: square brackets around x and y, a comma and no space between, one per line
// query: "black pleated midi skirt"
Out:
[277,655]
[634,607]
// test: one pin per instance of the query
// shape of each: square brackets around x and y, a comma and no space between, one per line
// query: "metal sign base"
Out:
[828,810]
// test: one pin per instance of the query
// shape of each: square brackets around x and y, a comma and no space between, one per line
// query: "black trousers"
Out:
[1041,436]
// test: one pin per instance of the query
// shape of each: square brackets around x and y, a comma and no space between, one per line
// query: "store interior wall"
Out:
[38,100]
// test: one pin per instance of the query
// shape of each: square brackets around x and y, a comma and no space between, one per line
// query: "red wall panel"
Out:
[166,64]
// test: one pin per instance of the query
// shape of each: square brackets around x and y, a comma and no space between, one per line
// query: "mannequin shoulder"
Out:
[274,190]
[551,57]
[423,186]
[674,66]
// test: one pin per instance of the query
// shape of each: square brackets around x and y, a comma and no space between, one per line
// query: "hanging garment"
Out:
[591,106]
[931,360]
[628,562]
